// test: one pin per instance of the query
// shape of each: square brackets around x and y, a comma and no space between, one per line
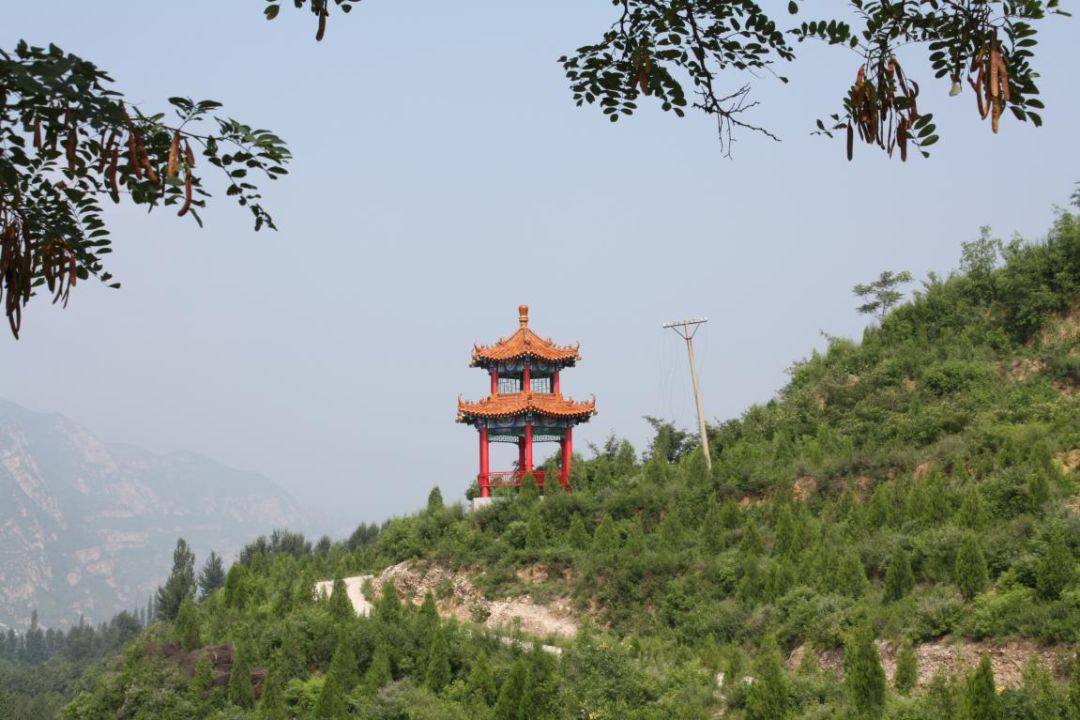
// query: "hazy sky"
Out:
[442,176]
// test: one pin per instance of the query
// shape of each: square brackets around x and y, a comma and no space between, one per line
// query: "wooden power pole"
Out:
[686,329]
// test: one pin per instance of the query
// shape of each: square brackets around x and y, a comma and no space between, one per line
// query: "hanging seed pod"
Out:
[111,174]
[189,157]
[187,192]
[174,155]
[902,139]
[106,152]
[321,32]
[37,133]
[72,141]
[850,141]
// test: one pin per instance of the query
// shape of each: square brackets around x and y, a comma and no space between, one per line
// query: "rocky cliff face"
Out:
[89,528]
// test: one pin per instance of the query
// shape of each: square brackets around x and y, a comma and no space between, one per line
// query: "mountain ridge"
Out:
[87,527]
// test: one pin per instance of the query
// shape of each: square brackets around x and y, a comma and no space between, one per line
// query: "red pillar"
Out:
[521,456]
[528,447]
[494,382]
[483,477]
[567,453]
[526,380]
[555,382]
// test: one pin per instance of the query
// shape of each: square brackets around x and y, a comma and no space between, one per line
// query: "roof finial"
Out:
[523,315]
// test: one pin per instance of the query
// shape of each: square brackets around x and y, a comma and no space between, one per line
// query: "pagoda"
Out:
[525,405]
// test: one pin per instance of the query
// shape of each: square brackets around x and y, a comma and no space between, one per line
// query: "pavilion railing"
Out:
[513,478]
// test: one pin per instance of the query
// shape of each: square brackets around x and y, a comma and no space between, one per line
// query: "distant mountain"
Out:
[89,528]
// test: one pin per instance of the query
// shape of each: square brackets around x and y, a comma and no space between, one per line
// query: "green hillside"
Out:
[905,508]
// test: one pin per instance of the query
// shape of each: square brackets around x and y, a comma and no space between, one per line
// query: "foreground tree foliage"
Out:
[839,532]
[69,139]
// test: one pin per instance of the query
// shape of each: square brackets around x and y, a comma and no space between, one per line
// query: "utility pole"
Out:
[686,329]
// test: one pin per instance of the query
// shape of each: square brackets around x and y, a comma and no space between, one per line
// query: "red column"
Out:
[528,448]
[494,382]
[521,456]
[555,382]
[526,380]
[567,453]
[484,490]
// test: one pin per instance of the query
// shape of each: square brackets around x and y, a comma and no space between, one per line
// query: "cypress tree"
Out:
[730,514]
[1042,698]
[907,669]
[864,677]
[331,702]
[340,606]
[272,702]
[439,672]
[972,512]
[343,665]
[577,535]
[241,693]
[388,606]
[982,698]
[712,528]
[605,540]
[508,706]
[427,621]
[970,572]
[236,587]
[529,492]
[378,673]
[768,697]
[899,579]
[1073,701]
[784,531]
[534,532]
[850,578]
[1056,567]
[435,500]
[482,680]
[187,625]
[202,685]
[752,544]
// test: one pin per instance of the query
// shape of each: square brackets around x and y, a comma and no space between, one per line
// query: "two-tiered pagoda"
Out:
[525,405]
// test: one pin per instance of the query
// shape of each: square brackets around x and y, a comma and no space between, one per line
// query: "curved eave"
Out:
[504,407]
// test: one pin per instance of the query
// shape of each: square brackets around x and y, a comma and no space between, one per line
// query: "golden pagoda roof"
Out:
[524,343]
[506,406]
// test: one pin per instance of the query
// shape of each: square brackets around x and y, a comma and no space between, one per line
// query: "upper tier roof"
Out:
[505,406]
[524,343]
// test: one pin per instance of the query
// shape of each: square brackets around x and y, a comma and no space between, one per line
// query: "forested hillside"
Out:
[895,535]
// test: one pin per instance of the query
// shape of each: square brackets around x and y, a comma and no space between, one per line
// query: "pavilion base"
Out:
[481,502]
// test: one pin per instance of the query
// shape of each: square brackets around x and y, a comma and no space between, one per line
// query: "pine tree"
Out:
[577,535]
[907,669]
[768,697]
[982,698]
[181,583]
[508,706]
[435,500]
[899,579]
[439,672]
[864,677]
[1042,699]
[970,572]
[241,693]
[427,622]
[236,587]
[187,625]
[212,575]
[1056,567]
[378,673]
[529,492]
